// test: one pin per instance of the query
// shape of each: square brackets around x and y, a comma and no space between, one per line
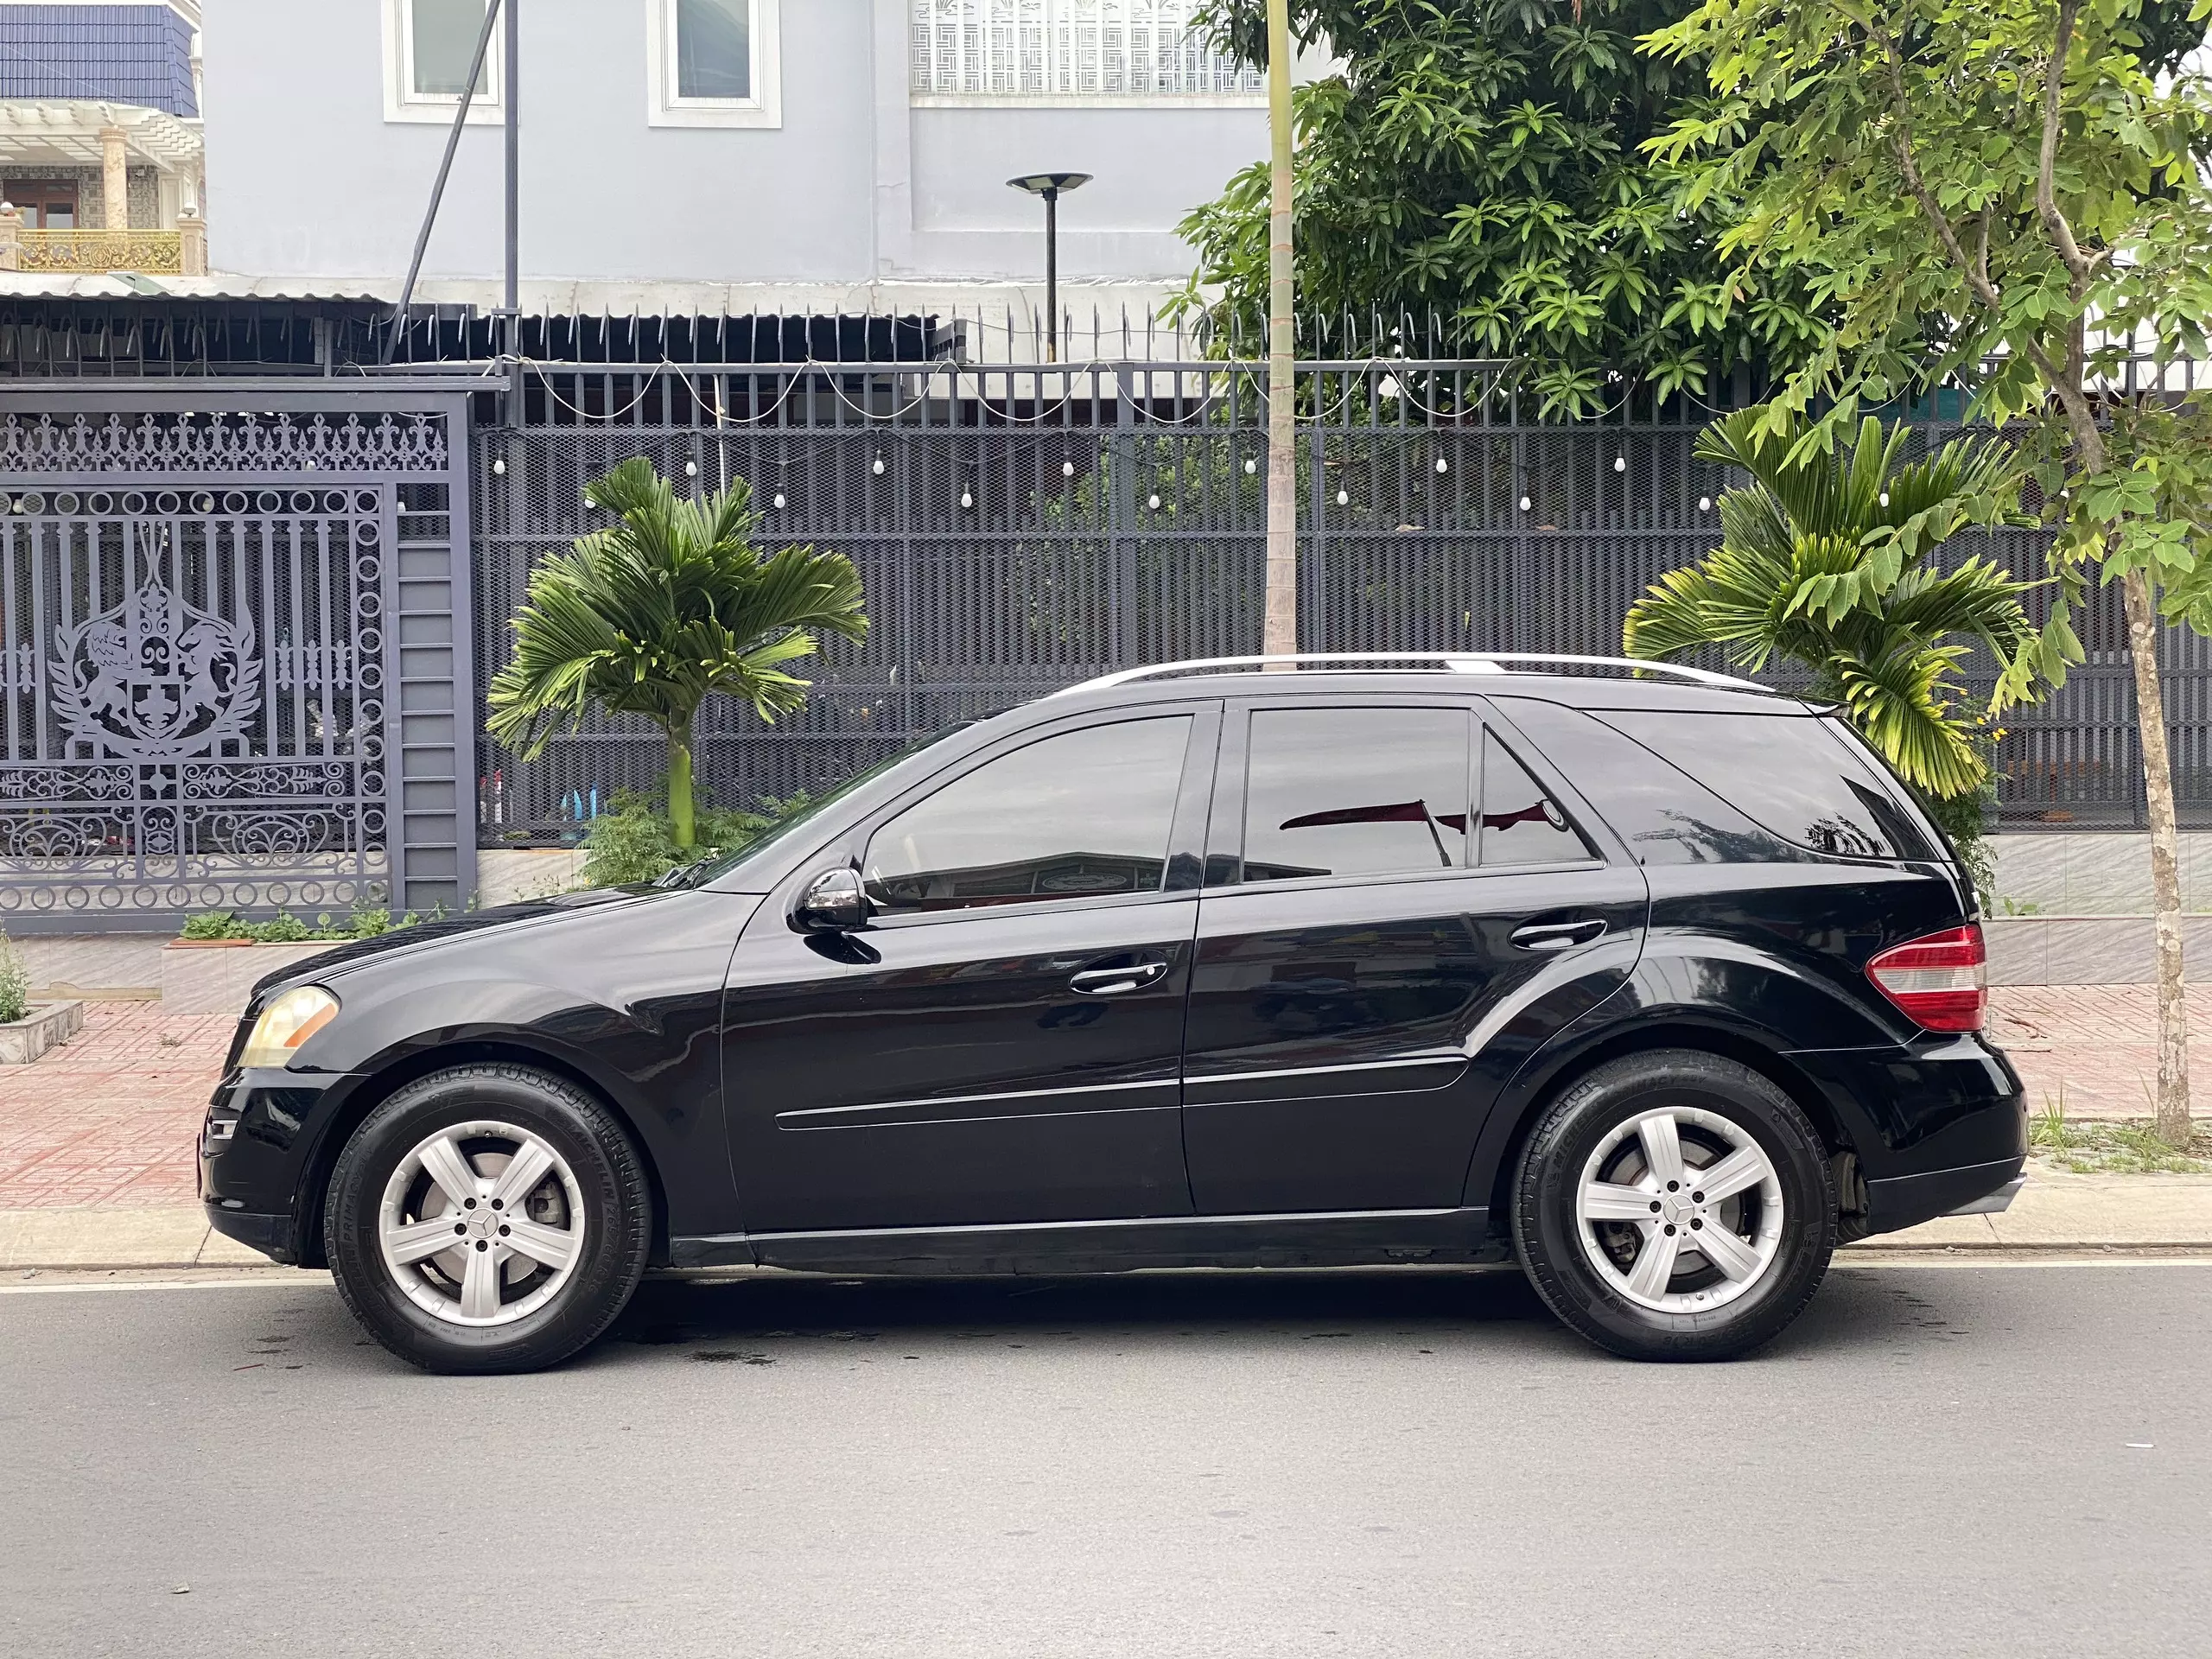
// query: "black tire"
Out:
[1547,1232]
[616,1211]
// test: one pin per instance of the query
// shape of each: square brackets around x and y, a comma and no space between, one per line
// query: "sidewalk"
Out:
[97,1140]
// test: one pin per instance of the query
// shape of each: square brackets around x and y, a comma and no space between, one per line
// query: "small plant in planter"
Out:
[225,927]
[28,1029]
[14,985]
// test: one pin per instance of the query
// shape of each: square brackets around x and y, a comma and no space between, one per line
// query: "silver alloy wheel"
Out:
[1680,1210]
[481,1224]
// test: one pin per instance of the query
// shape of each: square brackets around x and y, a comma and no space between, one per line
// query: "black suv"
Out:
[1658,982]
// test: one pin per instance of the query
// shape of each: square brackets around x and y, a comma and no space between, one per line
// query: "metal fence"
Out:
[1018,528]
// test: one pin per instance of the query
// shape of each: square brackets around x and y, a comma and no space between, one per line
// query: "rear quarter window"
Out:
[1790,774]
[1664,815]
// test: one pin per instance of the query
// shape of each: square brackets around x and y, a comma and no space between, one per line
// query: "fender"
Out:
[1728,995]
[637,1018]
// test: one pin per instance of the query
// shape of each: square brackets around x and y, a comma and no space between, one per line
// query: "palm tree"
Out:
[1824,560]
[654,613]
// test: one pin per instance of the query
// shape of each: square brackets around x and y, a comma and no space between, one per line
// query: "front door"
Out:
[1001,1043]
[1384,879]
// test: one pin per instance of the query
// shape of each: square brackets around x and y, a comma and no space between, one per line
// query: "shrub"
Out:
[14,984]
[636,843]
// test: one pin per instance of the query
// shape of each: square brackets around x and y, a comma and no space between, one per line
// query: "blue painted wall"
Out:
[127,55]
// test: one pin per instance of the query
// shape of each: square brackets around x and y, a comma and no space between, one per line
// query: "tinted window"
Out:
[1072,816]
[1665,817]
[1520,825]
[1789,774]
[1352,792]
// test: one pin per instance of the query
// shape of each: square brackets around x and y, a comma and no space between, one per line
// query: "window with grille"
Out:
[1071,49]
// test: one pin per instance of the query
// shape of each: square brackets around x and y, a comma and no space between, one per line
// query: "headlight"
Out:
[290,1019]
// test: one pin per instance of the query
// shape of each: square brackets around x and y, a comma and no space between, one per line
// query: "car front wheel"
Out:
[488,1218]
[1675,1205]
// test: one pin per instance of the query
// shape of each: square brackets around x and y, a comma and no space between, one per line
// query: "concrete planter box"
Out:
[217,976]
[48,1024]
[2085,949]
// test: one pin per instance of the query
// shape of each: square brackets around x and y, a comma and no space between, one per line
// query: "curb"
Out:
[2054,1213]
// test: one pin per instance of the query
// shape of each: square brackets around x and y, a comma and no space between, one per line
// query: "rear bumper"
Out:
[1969,1189]
[1938,1124]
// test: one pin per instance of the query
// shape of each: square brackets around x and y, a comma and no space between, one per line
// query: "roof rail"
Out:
[1459,662]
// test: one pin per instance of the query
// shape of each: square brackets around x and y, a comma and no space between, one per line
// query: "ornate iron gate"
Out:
[230,645]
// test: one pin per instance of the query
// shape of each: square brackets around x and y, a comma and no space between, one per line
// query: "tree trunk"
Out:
[2173,1125]
[1279,630]
[681,817]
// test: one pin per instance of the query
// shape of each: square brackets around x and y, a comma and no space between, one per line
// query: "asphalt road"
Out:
[1952,1460]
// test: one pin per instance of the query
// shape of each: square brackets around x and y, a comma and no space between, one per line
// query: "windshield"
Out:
[710,869]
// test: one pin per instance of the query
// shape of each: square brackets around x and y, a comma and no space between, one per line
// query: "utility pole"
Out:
[514,90]
[1279,634]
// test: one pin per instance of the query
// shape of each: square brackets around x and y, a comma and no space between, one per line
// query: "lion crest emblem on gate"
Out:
[156,678]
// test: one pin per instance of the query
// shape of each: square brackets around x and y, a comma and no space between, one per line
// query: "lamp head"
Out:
[1050,184]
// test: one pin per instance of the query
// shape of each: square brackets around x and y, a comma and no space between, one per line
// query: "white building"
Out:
[820,154]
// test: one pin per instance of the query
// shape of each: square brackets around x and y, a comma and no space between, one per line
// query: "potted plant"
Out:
[27,1029]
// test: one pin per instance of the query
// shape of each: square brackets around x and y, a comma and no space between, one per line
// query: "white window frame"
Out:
[403,103]
[1057,45]
[665,107]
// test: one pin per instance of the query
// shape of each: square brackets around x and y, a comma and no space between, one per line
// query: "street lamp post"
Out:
[1050,186]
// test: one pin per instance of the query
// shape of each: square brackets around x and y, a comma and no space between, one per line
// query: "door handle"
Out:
[1557,936]
[1112,982]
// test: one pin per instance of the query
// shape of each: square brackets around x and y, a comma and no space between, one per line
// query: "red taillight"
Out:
[1937,981]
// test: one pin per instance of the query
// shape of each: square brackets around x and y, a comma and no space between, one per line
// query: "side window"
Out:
[1071,816]
[1356,791]
[1520,825]
[1665,817]
[1787,774]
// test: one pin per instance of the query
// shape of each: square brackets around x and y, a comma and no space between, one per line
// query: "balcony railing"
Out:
[157,253]
[1071,49]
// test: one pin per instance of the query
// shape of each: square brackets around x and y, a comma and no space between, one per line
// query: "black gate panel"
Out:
[228,656]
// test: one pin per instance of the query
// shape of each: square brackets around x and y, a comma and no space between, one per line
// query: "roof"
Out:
[137,55]
[66,132]
[1111,316]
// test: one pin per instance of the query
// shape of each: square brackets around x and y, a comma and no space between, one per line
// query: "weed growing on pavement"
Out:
[2107,1149]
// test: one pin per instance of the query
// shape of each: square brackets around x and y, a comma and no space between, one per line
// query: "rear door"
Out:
[1385,879]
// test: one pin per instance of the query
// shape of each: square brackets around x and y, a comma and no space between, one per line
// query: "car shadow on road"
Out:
[717,1318]
[672,1311]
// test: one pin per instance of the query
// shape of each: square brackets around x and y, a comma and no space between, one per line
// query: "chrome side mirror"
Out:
[834,903]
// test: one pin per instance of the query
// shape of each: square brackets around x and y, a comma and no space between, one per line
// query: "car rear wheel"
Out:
[488,1218]
[1675,1205]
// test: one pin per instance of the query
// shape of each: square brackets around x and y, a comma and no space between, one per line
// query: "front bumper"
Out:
[273,1235]
[258,1154]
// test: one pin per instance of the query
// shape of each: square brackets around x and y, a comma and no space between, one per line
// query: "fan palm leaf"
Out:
[1823,561]
[665,607]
